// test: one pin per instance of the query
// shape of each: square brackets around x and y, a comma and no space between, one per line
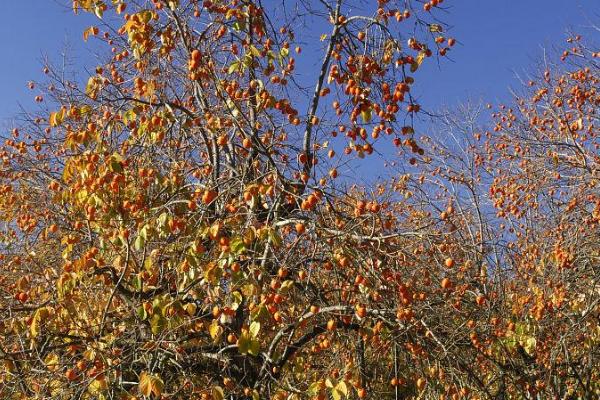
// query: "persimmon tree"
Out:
[526,194]
[182,224]
[172,227]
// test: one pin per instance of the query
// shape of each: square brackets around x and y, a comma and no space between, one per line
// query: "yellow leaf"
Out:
[217,393]
[38,317]
[51,361]
[417,63]
[230,13]
[86,34]
[214,230]
[99,11]
[9,366]
[215,330]
[129,25]
[150,384]
[254,328]
[86,4]
[173,4]
[52,119]
[335,394]
[366,115]
[342,388]
[56,118]
[529,345]
[145,384]
[92,87]
[97,386]
[69,170]
[190,308]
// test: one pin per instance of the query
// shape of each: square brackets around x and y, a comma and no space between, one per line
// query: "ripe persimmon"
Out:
[361,311]
[446,283]
[300,228]
[71,374]
[209,196]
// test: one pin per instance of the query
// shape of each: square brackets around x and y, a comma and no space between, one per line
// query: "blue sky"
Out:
[496,39]
[30,30]
[499,39]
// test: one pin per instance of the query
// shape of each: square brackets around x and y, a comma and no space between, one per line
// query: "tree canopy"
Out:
[183,224]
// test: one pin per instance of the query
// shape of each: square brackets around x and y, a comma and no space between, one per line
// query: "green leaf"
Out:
[232,107]
[97,386]
[275,238]
[51,360]
[259,313]
[139,243]
[142,313]
[115,163]
[237,245]
[254,329]
[92,87]
[254,347]
[137,282]
[161,223]
[254,51]
[286,286]
[56,118]
[247,61]
[243,344]
[235,66]
[529,345]
[314,388]
[158,323]
[237,300]
[339,390]
[98,11]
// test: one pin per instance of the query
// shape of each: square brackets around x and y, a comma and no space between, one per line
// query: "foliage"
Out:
[177,228]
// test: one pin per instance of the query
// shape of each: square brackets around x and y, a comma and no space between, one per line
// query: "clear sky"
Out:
[29,31]
[496,39]
[499,39]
